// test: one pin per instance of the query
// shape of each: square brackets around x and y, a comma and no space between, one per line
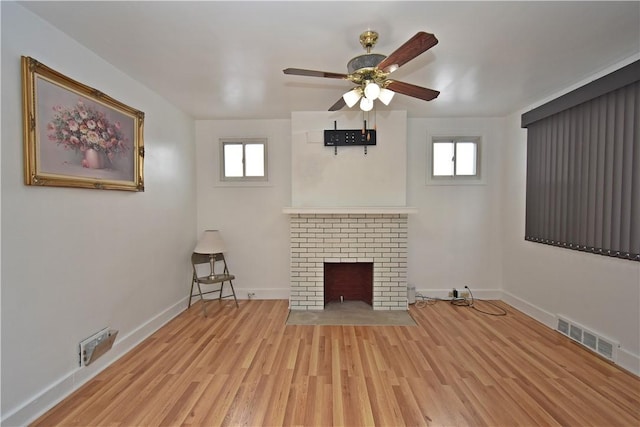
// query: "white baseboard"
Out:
[283,293]
[57,391]
[490,294]
[629,361]
[262,293]
[542,316]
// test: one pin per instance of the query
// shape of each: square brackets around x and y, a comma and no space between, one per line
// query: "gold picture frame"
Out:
[76,136]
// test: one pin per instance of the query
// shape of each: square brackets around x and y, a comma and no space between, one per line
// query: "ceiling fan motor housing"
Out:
[363,68]
[368,60]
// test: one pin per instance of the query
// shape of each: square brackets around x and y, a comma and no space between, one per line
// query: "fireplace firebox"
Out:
[348,281]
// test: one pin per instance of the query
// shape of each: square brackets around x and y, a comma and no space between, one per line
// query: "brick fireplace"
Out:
[377,236]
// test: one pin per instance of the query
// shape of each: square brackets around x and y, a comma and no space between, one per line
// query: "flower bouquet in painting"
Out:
[89,132]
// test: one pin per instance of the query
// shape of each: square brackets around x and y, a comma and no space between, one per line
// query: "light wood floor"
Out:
[457,367]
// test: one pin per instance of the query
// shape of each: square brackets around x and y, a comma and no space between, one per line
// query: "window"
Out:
[583,168]
[244,159]
[455,157]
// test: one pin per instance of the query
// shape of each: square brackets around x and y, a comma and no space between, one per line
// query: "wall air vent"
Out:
[595,342]
[96,345]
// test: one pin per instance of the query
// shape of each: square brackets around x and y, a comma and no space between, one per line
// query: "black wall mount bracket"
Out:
[349,137]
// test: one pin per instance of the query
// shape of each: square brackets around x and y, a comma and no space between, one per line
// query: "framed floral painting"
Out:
[76,136]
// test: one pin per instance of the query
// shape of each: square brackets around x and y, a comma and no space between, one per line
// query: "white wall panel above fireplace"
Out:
[322,178]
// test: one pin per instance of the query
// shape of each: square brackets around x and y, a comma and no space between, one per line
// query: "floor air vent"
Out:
[593,341]
[590,341]
[605,348]
[563,326]
[575,333]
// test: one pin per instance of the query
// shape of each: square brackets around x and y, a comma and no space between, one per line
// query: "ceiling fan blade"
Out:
[313,73]
[339,105]
[416,45]
[412,90]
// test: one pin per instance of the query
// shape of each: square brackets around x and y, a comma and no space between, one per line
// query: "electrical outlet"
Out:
[458,294]
[251,295]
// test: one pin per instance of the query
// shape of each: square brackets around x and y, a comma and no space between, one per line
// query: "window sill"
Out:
[455,182]
[243,184]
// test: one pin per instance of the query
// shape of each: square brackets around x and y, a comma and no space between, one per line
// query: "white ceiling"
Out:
[224,60]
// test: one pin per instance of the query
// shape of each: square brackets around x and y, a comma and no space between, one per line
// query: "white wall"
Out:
[249,215]
[77,260]
[598,292]
[454,240]
[320,178]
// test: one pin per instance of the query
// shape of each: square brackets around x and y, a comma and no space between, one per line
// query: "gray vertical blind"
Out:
[583,175]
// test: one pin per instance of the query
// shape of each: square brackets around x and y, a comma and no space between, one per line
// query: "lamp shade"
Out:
[366,104]
[210,243]
[385,96]
[351,97]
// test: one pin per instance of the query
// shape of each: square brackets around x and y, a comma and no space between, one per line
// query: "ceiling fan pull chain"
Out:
[375,118]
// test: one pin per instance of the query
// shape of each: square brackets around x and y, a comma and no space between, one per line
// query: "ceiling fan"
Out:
[370,73]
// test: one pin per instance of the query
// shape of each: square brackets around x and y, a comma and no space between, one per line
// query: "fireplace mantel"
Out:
[351,210]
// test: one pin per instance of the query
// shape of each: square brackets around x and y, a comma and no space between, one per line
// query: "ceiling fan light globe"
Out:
[386,96]
[351,97]
[372,90]
[366,104]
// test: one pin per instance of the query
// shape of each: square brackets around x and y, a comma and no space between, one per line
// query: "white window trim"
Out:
[244,179]
[478,179]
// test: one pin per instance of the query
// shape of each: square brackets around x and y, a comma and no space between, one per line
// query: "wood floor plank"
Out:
[278,397]
[245,366]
